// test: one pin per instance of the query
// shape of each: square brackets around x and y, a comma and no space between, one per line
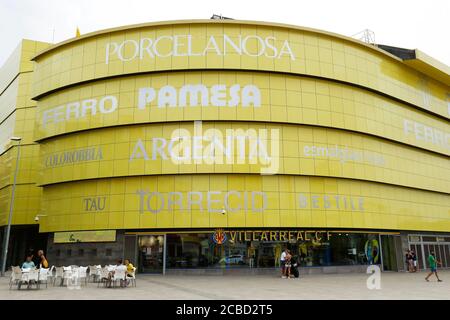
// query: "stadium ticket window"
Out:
[151,254]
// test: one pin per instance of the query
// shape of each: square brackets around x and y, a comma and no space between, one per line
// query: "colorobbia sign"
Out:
[189,45]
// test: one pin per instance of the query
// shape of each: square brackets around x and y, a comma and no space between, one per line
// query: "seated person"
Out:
[28,264]
[121,266]
[130,267]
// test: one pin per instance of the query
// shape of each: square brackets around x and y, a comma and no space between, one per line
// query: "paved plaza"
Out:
[323,286]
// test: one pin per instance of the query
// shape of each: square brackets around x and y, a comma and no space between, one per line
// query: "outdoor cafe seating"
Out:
[109,276]
[28,277]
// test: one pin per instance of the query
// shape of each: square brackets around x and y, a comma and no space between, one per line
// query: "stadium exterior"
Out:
[210,145]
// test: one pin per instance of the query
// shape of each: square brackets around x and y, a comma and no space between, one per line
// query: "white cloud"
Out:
[403,23]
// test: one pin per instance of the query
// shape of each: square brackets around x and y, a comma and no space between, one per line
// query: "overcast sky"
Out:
[422,24]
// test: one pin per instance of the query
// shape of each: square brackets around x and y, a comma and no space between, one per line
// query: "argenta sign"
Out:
[189,46]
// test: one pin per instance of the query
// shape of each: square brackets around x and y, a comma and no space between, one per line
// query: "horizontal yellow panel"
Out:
[245,96]
[28,165]
[85,236]
[277,149]
[240,201]
[26,204]
[235,46]
[19,61]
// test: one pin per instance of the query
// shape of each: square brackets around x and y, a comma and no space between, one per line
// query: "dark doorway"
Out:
[22,240]
[389,252]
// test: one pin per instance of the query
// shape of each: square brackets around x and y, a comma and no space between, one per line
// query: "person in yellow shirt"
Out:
[130,270]
[130,267]
[42,260]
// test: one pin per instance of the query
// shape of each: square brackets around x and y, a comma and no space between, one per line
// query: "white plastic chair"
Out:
[67,273]
[16,276]
[43,276]
[31,277]
[92,273]
[59,273]
[119,275]
[132,276]
[104,276]
[50,274]
[82,274]
[111,268]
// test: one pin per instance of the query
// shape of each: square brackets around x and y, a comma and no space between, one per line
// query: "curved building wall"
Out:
[166,97]
[167,125]
[197,201]
[235,45]
[17,118]
[151,149]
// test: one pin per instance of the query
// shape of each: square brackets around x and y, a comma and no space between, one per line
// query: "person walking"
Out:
[433,266]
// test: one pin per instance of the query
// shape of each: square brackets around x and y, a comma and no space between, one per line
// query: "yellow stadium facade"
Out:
[210,146]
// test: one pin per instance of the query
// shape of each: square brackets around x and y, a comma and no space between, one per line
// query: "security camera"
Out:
[36,218]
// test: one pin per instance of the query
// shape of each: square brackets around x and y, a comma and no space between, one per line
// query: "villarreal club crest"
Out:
[219,237]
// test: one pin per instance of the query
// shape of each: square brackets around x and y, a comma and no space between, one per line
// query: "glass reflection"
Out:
[198,250]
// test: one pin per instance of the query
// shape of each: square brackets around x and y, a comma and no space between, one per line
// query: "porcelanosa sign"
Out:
[183,46]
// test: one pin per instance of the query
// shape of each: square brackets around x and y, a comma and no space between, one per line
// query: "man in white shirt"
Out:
[119,267]
[283,262]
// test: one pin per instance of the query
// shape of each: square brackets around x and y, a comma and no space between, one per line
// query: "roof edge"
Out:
[212,21]
[421,62]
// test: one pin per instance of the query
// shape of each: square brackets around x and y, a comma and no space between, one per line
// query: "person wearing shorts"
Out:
[409,261]
[433,266]
[288,264]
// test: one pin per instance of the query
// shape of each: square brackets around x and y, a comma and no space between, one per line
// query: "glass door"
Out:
[151,254]
[388,249]
[437,251]
[446,254]
[442,258]
[419,256]
[426,254]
